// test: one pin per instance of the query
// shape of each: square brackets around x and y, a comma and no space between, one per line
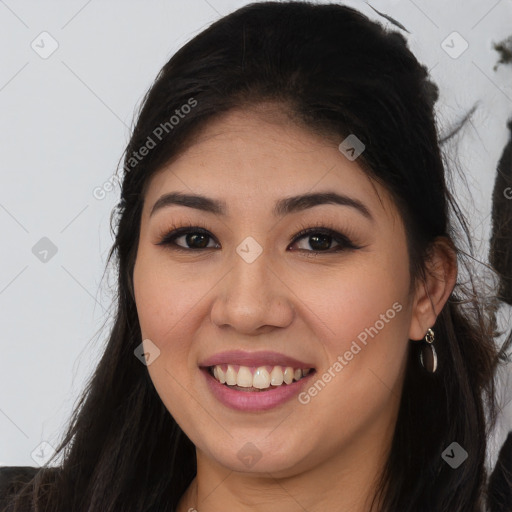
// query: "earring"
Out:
[428,356]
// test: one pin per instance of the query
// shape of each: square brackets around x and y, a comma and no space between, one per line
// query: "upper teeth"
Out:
[263,376]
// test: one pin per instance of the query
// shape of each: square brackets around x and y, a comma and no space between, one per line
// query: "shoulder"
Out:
[12,478]
[13,474]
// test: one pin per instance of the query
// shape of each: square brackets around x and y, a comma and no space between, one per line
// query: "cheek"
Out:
[362,318]
[167,305]
[365,351]
[163,297]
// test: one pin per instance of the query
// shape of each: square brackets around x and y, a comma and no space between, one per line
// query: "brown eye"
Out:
[194,238]
[320,240]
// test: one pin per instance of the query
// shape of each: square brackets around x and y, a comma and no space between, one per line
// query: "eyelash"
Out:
[324,228]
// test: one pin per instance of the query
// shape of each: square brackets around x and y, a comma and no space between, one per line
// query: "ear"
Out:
[433,290]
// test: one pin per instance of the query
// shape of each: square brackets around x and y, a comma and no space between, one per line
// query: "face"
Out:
[242,287]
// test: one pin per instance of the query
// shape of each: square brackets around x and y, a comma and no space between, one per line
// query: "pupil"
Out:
[325,238]
[194,236]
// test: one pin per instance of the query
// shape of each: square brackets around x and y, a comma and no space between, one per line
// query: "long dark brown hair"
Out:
[336,73]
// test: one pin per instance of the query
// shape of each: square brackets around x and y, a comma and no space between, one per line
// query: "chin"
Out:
[253,457]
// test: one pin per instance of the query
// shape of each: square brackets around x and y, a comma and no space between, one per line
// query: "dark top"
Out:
[500,482]
[12,478]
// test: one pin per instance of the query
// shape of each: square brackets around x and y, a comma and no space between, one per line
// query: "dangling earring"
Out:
[428,356]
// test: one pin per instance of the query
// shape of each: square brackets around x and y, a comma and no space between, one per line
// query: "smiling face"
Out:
[243,280]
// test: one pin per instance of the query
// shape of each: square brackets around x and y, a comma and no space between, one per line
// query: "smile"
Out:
[256,379]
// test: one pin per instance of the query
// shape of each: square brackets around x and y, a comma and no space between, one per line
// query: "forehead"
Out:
[256,156]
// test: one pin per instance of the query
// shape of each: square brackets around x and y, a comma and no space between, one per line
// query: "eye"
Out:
[195,238]
[321,238]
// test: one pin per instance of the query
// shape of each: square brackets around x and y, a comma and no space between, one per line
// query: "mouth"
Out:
[255,381]
[257,378]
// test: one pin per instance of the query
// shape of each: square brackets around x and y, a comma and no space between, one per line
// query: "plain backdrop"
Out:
[72,74]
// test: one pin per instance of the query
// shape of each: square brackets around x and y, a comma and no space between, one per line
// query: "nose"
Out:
[252,297]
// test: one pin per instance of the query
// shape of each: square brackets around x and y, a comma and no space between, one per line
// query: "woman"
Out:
[290,332]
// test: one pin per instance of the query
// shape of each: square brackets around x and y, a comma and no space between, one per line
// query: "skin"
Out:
[326,454]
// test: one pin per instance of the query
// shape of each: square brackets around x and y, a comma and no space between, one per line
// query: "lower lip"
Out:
[254,400]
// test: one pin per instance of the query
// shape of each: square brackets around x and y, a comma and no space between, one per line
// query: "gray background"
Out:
[64,123]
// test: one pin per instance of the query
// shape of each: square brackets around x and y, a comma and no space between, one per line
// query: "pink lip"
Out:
[264,358]
[254,400]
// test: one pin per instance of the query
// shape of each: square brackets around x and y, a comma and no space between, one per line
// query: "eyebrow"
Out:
[282,207]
